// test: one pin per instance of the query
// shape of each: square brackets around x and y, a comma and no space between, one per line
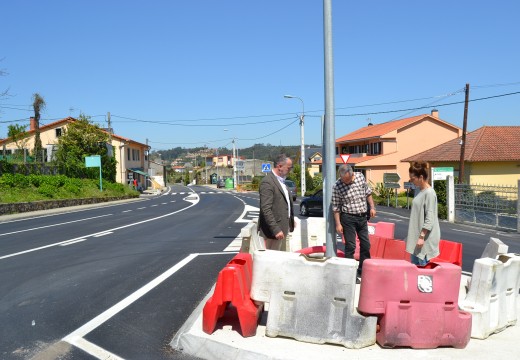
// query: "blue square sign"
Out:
[266,167]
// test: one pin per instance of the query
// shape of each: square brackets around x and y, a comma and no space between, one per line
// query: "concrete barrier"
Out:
[493,294]
[311,300]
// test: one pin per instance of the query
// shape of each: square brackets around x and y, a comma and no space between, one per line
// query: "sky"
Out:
[203,72]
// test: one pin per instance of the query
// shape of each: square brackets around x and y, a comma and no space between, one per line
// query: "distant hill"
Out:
[258,151]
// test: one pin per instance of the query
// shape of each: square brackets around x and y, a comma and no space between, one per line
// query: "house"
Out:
[131,156]
[313,160]
[491,156]
[378,149]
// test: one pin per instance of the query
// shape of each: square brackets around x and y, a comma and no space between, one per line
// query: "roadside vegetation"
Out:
[66,175]
[17,188]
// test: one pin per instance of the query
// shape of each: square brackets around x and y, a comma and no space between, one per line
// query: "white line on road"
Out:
[469,232]
[48,226]
[75,337]
[127,211]
[141,208]
[193,203]
[70,242]
[103,234]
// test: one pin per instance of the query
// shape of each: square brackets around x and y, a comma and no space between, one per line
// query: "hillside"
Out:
[258,151]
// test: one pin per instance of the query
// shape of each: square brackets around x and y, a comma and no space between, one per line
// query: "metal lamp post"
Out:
[302,144]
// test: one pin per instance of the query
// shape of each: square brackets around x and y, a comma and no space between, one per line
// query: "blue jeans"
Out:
[353,225]
[416,261]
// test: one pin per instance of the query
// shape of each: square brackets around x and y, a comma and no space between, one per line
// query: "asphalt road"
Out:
[119,280]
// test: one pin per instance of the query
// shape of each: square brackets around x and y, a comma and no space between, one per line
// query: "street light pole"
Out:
[302,144]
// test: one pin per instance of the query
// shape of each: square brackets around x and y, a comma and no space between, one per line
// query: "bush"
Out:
[47,190]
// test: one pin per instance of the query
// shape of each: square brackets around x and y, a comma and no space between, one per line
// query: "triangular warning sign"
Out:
[344,158]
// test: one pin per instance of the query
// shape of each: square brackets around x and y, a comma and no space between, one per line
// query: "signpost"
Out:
[95,161]
[391,181]
[408,186]
[266,167]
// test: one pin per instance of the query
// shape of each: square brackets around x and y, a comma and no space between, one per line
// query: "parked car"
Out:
[291,187]
[221,183]
[312,204]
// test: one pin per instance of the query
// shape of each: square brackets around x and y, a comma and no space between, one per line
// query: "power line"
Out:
[425,107]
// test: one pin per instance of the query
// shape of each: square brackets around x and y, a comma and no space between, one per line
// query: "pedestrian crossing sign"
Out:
[266,167]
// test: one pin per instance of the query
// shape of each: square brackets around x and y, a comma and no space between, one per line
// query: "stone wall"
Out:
[15,208]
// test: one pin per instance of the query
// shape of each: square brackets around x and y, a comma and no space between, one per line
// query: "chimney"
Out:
[435,113]
[32,125]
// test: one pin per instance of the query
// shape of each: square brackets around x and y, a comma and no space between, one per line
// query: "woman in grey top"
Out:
[424,233]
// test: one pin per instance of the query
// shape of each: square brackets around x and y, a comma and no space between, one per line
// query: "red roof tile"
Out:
[488,143]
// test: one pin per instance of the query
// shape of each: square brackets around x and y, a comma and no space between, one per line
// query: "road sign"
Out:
[344,158]
[391,178]
[440,173]
[409,185]
[391,185]
[266,167]
[240,164]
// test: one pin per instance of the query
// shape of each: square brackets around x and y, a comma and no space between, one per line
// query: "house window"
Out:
[128,154]
[375,148]
[344,150]
[58,132]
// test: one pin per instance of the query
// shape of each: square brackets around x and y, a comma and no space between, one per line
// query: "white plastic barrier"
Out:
[493,294]
[494,248]
[311,300]
[307,233]
[251,239]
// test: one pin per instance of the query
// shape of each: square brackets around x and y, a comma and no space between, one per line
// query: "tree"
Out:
[82,138]
[18,134]
[38,105]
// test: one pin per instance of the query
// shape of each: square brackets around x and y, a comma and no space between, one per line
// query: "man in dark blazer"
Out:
[276,207]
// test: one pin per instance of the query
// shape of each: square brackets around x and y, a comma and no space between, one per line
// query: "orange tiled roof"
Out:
[66,121]
[378,130]
[488,143]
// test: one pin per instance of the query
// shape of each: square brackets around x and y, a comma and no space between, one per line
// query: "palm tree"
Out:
[38,105]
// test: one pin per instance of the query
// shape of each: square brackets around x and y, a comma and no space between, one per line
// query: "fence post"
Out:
[518,207]
[450,198]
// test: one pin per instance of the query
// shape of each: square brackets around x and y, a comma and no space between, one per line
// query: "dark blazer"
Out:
[274,208]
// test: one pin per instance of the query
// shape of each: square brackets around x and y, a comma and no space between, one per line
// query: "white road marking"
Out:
[48,226]
[126,211]
[75,338]
[235,245]
[95,350]
[193,203]
[141,208]
[468,232]
[103,234]
[70,242]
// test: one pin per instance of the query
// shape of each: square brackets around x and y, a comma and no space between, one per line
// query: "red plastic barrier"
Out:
[381,229]
[450,252]
[318,249]
[233,285]
[416,306]
[395,249]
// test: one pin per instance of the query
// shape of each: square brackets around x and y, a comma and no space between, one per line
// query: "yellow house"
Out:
[131,156]
[378,149]
[491,156]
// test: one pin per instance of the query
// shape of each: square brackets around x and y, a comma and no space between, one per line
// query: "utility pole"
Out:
[109,128]
[463,141]
[234,166]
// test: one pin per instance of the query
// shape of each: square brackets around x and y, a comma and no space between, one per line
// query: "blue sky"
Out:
[200,72]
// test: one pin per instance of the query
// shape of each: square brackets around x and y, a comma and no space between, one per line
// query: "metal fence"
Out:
[494,206]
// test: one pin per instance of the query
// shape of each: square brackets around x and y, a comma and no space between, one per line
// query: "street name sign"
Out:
[391,185]
[409,185]
[441,173]
[391,178]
